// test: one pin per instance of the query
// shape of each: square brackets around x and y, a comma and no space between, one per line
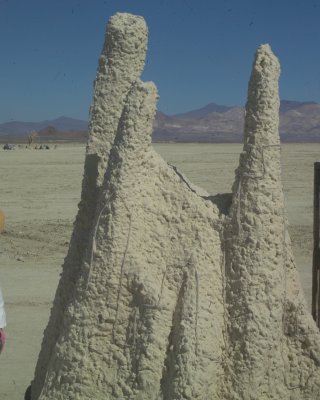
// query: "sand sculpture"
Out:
[166,292]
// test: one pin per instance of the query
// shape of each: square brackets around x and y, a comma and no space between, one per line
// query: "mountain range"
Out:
[299,122]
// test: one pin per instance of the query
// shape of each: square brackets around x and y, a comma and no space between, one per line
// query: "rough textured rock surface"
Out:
[162,295]
[120,64]
[273,344]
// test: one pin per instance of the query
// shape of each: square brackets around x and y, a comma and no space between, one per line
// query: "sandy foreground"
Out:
[39,195]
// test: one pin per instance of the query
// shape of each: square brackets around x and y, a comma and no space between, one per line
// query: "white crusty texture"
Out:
[163,297]
[120,64]
[273,345]
[146,321]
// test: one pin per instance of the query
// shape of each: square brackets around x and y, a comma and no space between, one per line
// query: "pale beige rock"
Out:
[120,64]
[137,306]
[273,343]
[163,296]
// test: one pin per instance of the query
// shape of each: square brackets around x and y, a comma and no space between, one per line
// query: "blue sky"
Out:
[200,51]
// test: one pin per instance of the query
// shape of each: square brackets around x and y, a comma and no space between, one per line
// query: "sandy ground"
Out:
[39,195]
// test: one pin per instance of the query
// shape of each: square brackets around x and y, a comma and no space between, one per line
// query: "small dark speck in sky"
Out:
[251,23]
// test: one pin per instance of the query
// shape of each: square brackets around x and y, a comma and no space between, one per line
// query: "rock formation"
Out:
[273,343]
[120,64]
[165,293]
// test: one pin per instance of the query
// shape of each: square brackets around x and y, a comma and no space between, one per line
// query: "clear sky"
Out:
[200,51]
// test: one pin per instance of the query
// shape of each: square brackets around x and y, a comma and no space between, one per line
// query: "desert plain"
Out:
[40,191]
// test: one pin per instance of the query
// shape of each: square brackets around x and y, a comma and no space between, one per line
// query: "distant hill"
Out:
[201,112]
[288,105]
[299,122]
[51,133]
[61,124]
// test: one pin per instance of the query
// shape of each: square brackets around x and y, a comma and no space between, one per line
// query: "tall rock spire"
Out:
[120,64]
[259,268]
